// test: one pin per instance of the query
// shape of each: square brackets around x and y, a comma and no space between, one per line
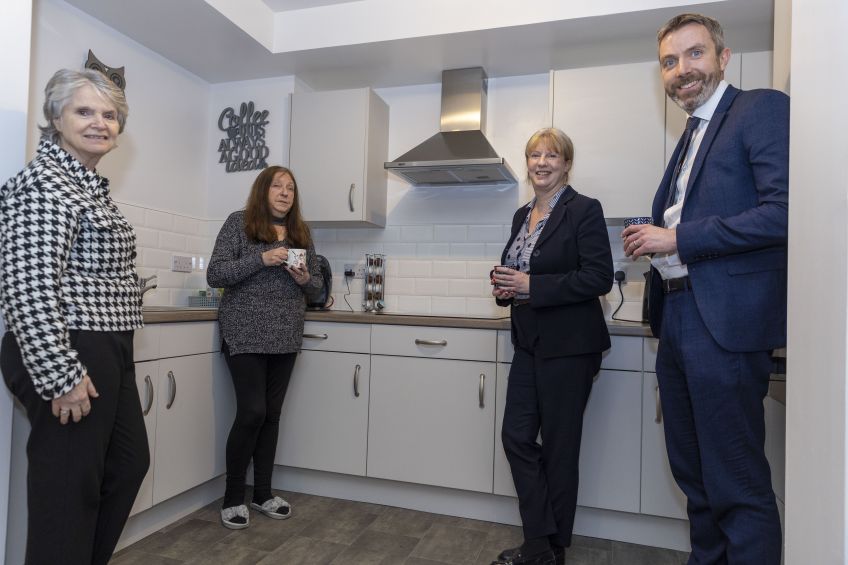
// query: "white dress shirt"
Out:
[669,264]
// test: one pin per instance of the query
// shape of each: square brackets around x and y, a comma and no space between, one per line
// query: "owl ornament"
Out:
[115,75]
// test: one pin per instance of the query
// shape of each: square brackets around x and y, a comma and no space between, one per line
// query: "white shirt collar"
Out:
[706,110]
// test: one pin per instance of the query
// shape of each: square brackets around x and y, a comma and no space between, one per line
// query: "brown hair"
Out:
[712,25]
[257,212]
[555,139]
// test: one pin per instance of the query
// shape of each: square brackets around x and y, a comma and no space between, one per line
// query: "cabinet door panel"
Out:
[146,379]
[324,424]
[660,494]
[610,451]
[426,422]
[191,434]
[327,152]
[588,107]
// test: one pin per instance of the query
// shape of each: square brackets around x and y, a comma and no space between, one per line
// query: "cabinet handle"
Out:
[148,385]
[350,196]
[315,336]
[482,390]
[356,381]
[431,342]
[172,387]
[658,417]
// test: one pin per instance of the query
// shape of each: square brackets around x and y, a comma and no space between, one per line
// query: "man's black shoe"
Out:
[509,555]
[515,557]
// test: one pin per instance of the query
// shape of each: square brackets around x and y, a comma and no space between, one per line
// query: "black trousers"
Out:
[82,477]
[547,396]
[260,383]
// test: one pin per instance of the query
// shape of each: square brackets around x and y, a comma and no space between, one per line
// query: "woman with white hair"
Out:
[70,299]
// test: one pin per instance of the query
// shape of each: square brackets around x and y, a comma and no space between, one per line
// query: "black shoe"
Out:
[515,557]
[509,555]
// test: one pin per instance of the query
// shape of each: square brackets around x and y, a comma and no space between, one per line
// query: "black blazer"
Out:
[570,267]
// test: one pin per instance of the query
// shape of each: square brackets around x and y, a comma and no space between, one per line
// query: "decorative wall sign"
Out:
[116,75]
[244,147]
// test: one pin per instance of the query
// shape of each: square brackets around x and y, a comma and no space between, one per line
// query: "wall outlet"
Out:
[181,264]
[358,269]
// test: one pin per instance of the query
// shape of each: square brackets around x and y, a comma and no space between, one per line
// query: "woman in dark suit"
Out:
[555,267]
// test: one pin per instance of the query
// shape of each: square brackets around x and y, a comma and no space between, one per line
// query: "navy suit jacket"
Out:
[570,267]
[733,228]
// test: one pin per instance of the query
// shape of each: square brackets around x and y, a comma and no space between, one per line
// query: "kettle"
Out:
[323,299]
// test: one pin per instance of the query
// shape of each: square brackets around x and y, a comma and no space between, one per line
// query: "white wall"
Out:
[228,191]
[15,28]
[161,160]
[816,494]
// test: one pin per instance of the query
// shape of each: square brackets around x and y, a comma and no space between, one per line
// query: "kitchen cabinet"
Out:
[431,421]
[146,377]
[324,422]
[660,494]
[187,394]
[432,411]
[339,142]
[503,484]
[615,117]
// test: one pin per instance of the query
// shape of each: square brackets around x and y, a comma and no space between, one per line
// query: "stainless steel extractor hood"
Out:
[460,152]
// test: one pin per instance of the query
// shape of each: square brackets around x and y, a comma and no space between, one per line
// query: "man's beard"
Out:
[709,83]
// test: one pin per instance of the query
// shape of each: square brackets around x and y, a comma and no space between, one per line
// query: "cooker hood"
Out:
[460,153]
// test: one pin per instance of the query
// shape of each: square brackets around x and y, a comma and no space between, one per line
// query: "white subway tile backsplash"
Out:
[413,304]
[400,250]
[433,250]
[199,245]
[145,237]
[447,305]
[485,307]
[486,234]
[449,269]
[397,286]
[431,287]
[169,279]
[495,250]
[480,269]
[322,234]
[469,250]
[172,241]
[450,233]
[156,258]
[159,220]
[470,287]
[335,250]
[133,214]
[410,268]
[416,233]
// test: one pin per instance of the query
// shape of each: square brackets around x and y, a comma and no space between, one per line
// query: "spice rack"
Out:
[375,283]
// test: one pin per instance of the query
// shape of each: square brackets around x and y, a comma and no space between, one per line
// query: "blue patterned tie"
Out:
[688,135]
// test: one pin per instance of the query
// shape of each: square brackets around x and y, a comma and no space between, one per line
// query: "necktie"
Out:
[688,135]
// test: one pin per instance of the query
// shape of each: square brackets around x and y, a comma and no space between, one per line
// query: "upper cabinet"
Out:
[615,116]
[339,142]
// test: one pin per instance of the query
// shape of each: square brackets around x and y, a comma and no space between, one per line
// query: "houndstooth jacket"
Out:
[67,262]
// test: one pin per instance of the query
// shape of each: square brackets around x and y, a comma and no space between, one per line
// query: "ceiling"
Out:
[199,38]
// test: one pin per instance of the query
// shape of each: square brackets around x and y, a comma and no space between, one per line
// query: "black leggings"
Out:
[260,382]
[82,477]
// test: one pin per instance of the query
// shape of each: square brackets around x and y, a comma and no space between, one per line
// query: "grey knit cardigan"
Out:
[263,307]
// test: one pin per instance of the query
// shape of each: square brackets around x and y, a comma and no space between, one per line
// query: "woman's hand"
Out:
[76,403]
[502,294]
[275,257]
[510,280]
[300,275]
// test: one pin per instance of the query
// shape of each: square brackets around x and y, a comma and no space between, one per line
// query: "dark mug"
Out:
[492,274]
[638,221]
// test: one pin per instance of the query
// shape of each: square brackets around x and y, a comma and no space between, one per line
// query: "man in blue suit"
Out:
[718,292]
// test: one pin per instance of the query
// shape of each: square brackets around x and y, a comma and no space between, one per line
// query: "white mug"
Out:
[296,258]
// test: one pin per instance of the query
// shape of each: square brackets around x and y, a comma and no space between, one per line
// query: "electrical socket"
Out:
[358,270]
[181,264]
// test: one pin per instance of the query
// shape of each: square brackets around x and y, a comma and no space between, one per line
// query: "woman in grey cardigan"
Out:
[261,318]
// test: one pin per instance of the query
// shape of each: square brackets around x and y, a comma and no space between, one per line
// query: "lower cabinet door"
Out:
[610,451]
[146,379]
[503,476]
[196,406]
[431,422]
[660,494]
[324,423]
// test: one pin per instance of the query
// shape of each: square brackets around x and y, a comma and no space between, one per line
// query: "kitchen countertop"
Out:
[165,314]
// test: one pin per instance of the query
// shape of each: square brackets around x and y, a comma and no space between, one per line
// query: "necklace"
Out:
[278,221]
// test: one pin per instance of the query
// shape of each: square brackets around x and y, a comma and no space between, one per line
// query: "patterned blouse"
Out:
[67,262]
[262,309]
[518,254]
